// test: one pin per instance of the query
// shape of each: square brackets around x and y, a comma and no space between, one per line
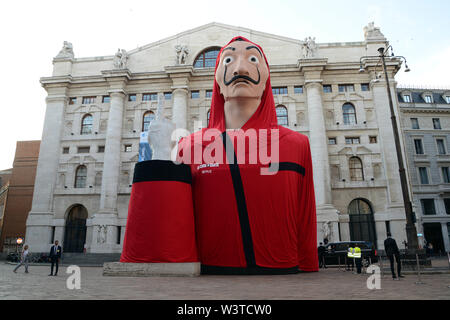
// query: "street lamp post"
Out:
[411,232]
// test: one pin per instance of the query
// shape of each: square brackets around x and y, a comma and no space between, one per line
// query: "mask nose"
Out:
[240,67]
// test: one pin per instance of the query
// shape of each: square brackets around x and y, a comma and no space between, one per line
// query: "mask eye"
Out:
[253,59]
[227,60]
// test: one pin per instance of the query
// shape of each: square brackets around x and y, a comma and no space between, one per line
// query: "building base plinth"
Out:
[122,269]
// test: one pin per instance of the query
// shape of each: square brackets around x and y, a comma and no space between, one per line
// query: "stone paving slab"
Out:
[326,284]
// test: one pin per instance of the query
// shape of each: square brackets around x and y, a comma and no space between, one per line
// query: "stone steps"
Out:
[91,259]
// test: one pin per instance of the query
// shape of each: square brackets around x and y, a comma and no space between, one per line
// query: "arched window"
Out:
[356,169]
[207,117]
[207,58]
[149,116]
[86,124]
[80,177]
[282,115]
[349,113]
[362,223]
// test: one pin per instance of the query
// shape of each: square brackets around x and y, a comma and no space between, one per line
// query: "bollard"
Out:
[418,270]
[381,265]
[448,256]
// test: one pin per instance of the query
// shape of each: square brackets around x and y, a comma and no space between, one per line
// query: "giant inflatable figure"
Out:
[240,197]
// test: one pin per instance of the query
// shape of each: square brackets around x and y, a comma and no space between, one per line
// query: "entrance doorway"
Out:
[362,223]
[75,231]
[433,235]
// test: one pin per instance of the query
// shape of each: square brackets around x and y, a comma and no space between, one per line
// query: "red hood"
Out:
[264,117]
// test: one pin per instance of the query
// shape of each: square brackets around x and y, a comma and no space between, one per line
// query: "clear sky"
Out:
[32,33]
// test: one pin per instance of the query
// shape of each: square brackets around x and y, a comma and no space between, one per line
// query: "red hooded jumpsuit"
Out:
[227,215]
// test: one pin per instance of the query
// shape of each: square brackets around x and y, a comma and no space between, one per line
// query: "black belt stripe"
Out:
[246,233]
[162,170]
[291,166]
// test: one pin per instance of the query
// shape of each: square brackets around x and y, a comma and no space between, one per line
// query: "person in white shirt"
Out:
[23,260]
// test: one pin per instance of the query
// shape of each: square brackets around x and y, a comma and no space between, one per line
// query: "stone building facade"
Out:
[425,123]
[97,107]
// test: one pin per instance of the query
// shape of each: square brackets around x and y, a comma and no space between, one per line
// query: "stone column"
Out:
[40,218]
[318,142]
[111,163]
[321,165]
[179,109]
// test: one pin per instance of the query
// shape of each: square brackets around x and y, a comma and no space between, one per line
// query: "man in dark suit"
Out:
[55,255]
[390,246]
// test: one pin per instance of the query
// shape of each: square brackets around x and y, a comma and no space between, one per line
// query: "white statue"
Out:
[182,53]
[160,133]
[326,230]
[66,51]
[101,234]
[309,48]
[370,31]
[120,59]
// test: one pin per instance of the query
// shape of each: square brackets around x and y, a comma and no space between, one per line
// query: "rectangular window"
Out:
[195,94]
[150,97]
[101,149]
[346,88]
[407,98]
[372,139]
[441,146]
[127,148]
[327,88]
[279,90]
[119,234]
[106,99]
[415,123]
[88,100]
[52,237]
[423,173]
[298,89]
[388,226]
[168,95]
[132,97]
[428,99]
[208,94]
[436,123]
[447,99]
[72,100]
[65,150]
[418,146]
[331,140]
[352,140]
[365,87]
[83,149]
[447,206]
[428,206]
[445,174]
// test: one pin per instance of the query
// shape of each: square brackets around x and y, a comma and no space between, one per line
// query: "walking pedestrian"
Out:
[23,259]
[55,255]
[391,248]
[321,252]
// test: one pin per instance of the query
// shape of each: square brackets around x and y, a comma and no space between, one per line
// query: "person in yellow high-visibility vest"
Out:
[358,258]
[350,258]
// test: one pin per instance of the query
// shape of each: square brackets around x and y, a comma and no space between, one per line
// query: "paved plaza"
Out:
[327,284]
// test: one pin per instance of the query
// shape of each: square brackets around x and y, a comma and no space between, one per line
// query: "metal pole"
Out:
[411,231]
[339,262]
[418,270]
